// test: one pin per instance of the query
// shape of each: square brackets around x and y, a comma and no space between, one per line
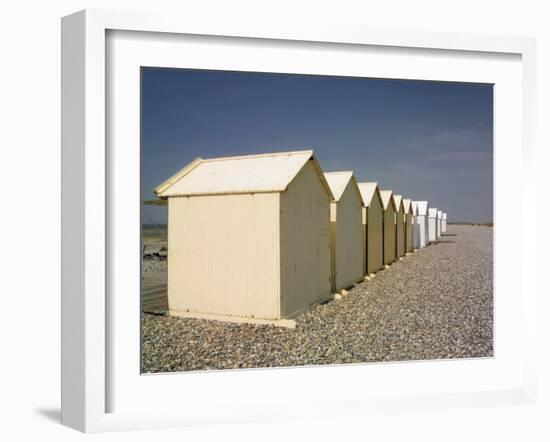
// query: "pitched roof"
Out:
[398,201]
[338,181]
[271,172]
[444,215]
[432,212]
[407,205]
[387,197]
[439,213]
[422,207]
[368,190]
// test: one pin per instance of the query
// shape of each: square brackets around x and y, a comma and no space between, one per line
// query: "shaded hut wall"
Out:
[409,232]
[375,240]
[400,233]
[305,265]
[432,229]
[417,226]
[348,252]
[389,235]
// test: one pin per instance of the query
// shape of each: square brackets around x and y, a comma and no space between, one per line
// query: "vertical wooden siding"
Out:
[418,221]
[389,235]
[409,232]
[333,245]
[348,259]
[432,229]
[305,242]
[223,255]
[375,240]
[425,230]
[400,238]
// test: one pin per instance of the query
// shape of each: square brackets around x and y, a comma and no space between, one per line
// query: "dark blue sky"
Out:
[426,140]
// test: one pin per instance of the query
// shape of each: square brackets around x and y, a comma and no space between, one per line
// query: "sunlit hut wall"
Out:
[399,226]
[373,230]
[388,204]
[432,224]
[439,224]
[409,220]
[346,230]
[421,226]
[248,236]
[444,223]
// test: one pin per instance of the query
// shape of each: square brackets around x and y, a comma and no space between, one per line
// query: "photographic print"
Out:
[305,220]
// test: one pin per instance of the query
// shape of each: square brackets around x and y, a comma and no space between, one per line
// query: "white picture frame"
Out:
[86,317]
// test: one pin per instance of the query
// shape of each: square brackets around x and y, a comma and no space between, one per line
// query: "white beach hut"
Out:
[416,225]
[409,225]
[346,230]
[432,224]
[444,223]
[390,219]
[373,230]
[248,236]
[439,223]
[399,226]
[421,226]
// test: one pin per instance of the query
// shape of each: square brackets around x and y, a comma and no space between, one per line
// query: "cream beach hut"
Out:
[409,225]
[444,223]
[248,236]
[432,225]
[388,204]
[439,223]
[399,226]
[346,230]
[421,226]
[373,231]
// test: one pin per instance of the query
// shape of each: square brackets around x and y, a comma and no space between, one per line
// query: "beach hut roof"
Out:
[338,182]
[398,201]
[439,213]
[422,207]
[368,190]
[432,212]
[387,197]
[407,204]
[444,216]
[271,172]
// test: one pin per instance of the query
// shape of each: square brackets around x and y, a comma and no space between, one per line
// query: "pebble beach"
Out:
[436,303]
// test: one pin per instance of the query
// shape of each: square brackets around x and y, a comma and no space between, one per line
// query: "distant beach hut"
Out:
[248,236]
[346,230]
[409,225]
[444,223]
[373,230]
[390,215]
[432,225]
[399,226]
[439,223]
[420,224]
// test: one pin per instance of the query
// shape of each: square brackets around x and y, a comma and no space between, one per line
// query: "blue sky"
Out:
[426,140]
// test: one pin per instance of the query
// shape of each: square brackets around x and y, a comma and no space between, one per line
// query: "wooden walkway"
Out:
[154,296]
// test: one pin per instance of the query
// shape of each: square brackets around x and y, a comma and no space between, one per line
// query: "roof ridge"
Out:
[338,172]
[258,155]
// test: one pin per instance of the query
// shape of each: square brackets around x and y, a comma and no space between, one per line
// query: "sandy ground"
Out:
[434,304]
